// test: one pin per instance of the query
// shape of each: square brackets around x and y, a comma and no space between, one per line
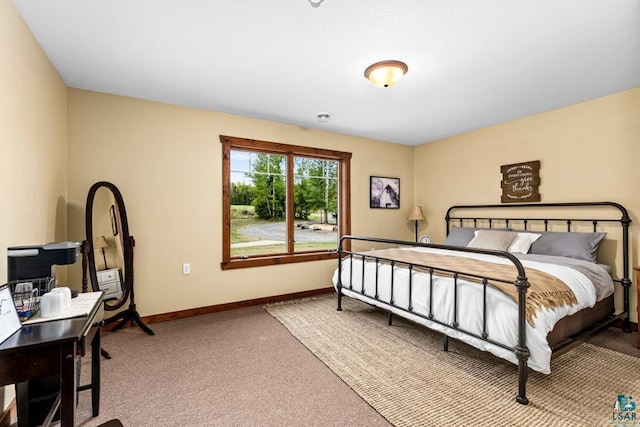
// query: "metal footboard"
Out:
[520,282]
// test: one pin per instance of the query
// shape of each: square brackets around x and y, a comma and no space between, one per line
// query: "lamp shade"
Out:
[416,214]
[386,73]
[101,242]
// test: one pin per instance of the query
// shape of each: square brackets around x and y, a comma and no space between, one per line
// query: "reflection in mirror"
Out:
[107,240]
[108,254]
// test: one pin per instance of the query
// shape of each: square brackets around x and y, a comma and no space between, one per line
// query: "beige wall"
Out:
[588,152]
[166,161]
[33,143]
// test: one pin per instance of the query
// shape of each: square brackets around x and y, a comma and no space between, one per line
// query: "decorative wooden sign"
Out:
[520,182]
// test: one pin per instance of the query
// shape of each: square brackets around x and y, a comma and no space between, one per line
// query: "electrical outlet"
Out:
[186,268]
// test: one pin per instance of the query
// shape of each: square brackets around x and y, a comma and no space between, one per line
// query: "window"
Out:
[282,203]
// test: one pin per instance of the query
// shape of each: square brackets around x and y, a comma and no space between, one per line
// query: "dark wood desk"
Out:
[50,348]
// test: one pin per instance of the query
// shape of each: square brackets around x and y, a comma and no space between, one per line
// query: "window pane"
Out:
[315,204]
[258,203]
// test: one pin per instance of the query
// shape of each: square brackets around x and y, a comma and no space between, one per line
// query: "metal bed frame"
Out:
[520,282]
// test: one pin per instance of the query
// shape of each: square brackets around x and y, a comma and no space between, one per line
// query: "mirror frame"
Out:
[128,243]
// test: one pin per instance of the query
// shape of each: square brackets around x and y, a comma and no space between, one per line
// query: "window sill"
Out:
[276,260]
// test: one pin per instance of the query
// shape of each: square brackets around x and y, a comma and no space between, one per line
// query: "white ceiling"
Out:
[471,63]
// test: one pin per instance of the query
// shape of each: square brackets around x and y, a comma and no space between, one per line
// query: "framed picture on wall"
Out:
[384,193]
[114,221]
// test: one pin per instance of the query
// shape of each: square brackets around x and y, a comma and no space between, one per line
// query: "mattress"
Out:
[588,281]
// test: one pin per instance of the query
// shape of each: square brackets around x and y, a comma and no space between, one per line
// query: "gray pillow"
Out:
[492,239]
[461,236]
[582,246]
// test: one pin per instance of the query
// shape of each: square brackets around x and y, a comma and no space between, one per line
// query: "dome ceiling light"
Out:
[386,73]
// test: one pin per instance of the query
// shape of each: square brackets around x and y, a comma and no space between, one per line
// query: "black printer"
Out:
[37,263]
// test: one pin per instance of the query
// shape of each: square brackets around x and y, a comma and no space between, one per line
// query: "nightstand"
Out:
[109,282]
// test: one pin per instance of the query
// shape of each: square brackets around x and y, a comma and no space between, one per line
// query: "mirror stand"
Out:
[107,226]
[130,314]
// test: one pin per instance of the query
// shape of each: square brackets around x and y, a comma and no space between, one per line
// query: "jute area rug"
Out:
[404,374]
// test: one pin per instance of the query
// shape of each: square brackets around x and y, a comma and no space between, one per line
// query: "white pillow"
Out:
[523,242]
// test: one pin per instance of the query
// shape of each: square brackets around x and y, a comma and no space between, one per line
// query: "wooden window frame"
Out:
[344,202]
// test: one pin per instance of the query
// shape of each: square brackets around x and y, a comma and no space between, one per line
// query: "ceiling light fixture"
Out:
[315,3]
[386,73]
[323,117]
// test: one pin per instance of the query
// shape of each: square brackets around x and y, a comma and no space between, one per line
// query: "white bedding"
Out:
[502,324]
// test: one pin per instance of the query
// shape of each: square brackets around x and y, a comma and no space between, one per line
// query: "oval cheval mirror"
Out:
[108,254]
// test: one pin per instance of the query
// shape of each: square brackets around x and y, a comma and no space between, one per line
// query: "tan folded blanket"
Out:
[545,290]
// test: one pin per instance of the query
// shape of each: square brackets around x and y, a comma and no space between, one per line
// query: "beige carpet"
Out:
[228,369]
[402,372]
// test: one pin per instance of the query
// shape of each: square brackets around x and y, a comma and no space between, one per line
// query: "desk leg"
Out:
[95,373]
[68,384]
[22,403]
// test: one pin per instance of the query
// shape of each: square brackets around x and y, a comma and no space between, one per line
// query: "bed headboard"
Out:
[570,216]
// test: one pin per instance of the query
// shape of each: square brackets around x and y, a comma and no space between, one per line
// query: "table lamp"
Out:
[416,215]
[101,243]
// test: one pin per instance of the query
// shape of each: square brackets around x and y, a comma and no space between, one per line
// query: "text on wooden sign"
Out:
[520,182]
